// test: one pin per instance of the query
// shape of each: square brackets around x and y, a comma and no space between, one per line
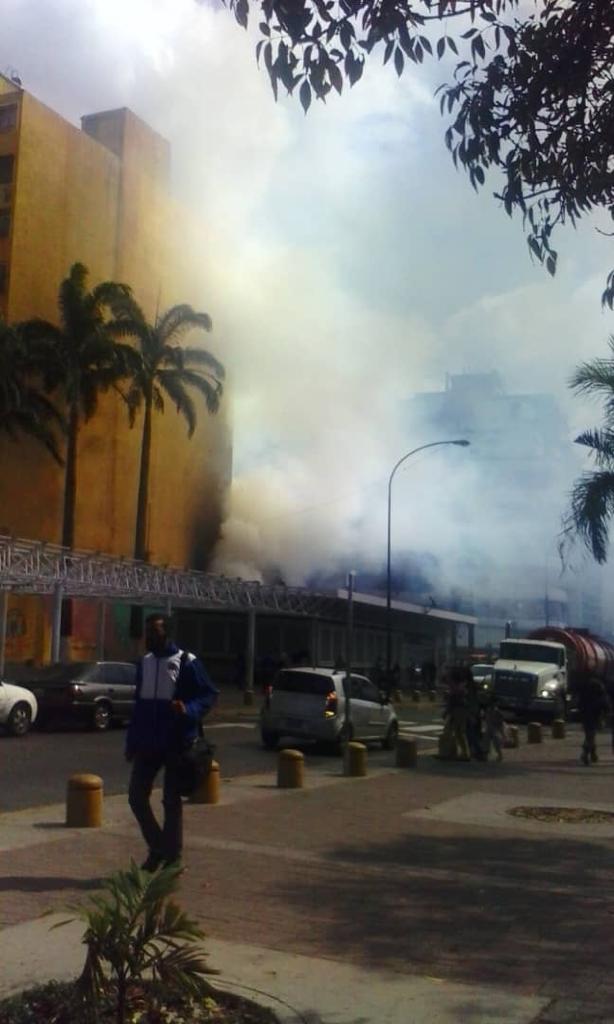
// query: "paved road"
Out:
[35,769]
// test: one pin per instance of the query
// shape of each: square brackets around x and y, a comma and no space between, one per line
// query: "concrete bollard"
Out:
[432,696]
[534,732]
[407,752]
[397,697]
[355,759]
[416,696]
[514,736]
[209,790]
[290,766]
[248,698]
[558,729]
[84,801]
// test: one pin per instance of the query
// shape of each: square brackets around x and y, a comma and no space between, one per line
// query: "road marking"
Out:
[433,730]
[231,725]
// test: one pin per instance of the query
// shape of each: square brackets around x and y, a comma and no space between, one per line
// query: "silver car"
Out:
[310,704]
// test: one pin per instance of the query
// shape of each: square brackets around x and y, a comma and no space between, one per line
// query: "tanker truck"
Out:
[538,676]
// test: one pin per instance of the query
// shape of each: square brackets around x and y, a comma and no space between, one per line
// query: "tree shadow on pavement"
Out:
[535,912]
[46,883]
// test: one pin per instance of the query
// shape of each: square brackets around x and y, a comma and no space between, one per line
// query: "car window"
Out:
[303,682]
[366,689]
[128,674]
[94,674]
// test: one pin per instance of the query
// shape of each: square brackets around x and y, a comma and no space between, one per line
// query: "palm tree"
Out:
[24,409]
[592,496]
[165,370]
[77,361]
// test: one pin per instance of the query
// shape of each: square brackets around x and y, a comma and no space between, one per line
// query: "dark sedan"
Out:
[93,693]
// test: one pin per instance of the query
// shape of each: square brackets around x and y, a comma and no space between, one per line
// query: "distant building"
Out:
[100,196]
[520,454]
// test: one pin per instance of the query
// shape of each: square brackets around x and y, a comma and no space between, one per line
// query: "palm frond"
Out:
[178,320]
[591,508]
[201,357]
[172,383]
[209,387]
[601,445]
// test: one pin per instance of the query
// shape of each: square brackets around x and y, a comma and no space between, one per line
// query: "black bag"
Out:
[194,764]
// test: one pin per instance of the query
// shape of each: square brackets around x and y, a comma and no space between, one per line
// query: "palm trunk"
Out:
[70,479]
[140,532]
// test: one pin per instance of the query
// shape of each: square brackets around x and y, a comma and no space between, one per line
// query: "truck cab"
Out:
[530,678]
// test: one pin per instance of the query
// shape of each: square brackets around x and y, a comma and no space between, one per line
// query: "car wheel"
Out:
[269,739]
[389,741]
[101,719]
[19,720]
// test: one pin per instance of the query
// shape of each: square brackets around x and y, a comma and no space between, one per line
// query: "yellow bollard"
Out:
[209,790]
[558,729]
[514,736]
[355,759]
[290,766]
[84,801]
[534,732]
[407,752]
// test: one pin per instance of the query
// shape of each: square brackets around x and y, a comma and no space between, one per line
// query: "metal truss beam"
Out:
[33,567]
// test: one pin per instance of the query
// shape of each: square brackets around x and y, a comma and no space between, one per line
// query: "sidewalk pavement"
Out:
[407,897]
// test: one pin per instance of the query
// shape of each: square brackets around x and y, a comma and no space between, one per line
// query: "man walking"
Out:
[173,693]
[592,706]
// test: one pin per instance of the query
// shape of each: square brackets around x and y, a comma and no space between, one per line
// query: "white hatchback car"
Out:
[18,708]
[309,704]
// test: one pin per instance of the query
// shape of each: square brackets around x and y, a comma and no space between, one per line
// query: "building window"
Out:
[6,169]
[4,277]
[5,223]
[8,118]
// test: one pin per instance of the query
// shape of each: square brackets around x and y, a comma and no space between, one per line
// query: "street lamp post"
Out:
[434,444]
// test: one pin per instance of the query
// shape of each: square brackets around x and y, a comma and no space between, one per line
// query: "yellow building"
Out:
[100,196]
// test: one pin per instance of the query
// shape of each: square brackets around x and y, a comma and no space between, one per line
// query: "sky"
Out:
[349,266]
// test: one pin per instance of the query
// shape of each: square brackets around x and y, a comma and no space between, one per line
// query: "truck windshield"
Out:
[517,651]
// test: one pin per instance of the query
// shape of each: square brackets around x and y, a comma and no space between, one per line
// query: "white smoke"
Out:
[349,266]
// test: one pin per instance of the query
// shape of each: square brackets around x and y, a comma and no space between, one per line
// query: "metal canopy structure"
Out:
[34,567]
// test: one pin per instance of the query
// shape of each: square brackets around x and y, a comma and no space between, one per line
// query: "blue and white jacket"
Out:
[155,726]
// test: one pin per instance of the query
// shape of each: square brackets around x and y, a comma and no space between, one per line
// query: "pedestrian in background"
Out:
[494,726]
[456,712]
[173,694]
[592,707]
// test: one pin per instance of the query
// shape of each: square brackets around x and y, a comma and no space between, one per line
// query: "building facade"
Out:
[100,195]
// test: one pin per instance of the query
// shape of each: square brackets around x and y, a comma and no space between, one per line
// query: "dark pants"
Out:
[589,747]
[166,842]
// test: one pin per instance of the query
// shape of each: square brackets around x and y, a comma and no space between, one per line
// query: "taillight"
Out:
[330,708]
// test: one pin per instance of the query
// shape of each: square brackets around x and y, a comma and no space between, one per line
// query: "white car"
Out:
[18,708]
[310,704]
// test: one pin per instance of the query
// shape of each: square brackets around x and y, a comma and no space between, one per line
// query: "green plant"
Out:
[135,936]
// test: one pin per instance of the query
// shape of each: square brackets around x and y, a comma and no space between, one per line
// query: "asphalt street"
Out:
[35,769]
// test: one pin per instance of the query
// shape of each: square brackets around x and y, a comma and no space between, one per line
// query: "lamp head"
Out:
[462,443]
